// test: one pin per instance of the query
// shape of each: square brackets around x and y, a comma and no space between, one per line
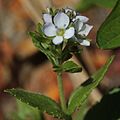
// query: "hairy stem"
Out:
[61,91]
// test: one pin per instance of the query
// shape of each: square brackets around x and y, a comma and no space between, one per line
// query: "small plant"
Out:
[64,33]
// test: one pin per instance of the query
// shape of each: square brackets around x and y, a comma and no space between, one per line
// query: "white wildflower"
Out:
[83,30]
[57,27]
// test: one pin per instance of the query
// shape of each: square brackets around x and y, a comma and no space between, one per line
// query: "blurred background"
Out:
[23,66]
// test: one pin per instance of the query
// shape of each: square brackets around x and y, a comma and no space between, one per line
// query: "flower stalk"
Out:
[61,91]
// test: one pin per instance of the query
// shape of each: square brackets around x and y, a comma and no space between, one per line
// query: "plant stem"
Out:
[61,91]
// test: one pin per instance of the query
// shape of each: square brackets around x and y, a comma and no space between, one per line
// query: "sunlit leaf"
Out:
[80,94]
[43,103]
[25,111]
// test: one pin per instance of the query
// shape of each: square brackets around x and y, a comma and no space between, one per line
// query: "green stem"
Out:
[61,91]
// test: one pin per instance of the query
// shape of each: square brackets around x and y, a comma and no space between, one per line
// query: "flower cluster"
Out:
[66,24]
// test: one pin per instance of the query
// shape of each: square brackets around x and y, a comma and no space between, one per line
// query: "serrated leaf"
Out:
[26,111]
[42,44]
[43,103]
[80,94]
[70,66]
[39,28]
[108,36]
[107,109]
[80,113]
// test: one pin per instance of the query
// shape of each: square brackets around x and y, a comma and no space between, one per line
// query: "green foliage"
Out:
[107,109]
[105,3]
[57,54]
[71,67]
[80,113]
[71,47]
[108,36]
[25,111]
[85,4]
[80,94]
[43,44]
[43,103]
[68,66]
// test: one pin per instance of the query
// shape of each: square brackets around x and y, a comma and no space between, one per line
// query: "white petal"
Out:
[85,30]
[78,25]
[57,40]
[81,18]
[47,18]
[61,20]
[49,29]
[85,43]
[69,33]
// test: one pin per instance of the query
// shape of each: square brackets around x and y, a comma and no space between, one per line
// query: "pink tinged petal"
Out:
[69,33]
[57,40]
[85,43]
[83,19]
[49,29]
[47,18]
[85,31]
[61,20]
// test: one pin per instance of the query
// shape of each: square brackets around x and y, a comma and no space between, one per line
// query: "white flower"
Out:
[57,27]
[82,29]
[83,19]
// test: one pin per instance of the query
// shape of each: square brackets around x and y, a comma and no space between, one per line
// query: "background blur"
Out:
[23,66]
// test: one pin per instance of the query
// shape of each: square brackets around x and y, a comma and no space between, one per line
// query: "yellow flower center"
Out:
[60,32]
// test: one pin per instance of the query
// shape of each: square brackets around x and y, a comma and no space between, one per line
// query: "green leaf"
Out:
[85,4]
[80,113]
[25,111]
[105,3]
[108,36]
[39,28]
[71,67]
[43,103]
[107,109]
[43,45]
[82,92]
